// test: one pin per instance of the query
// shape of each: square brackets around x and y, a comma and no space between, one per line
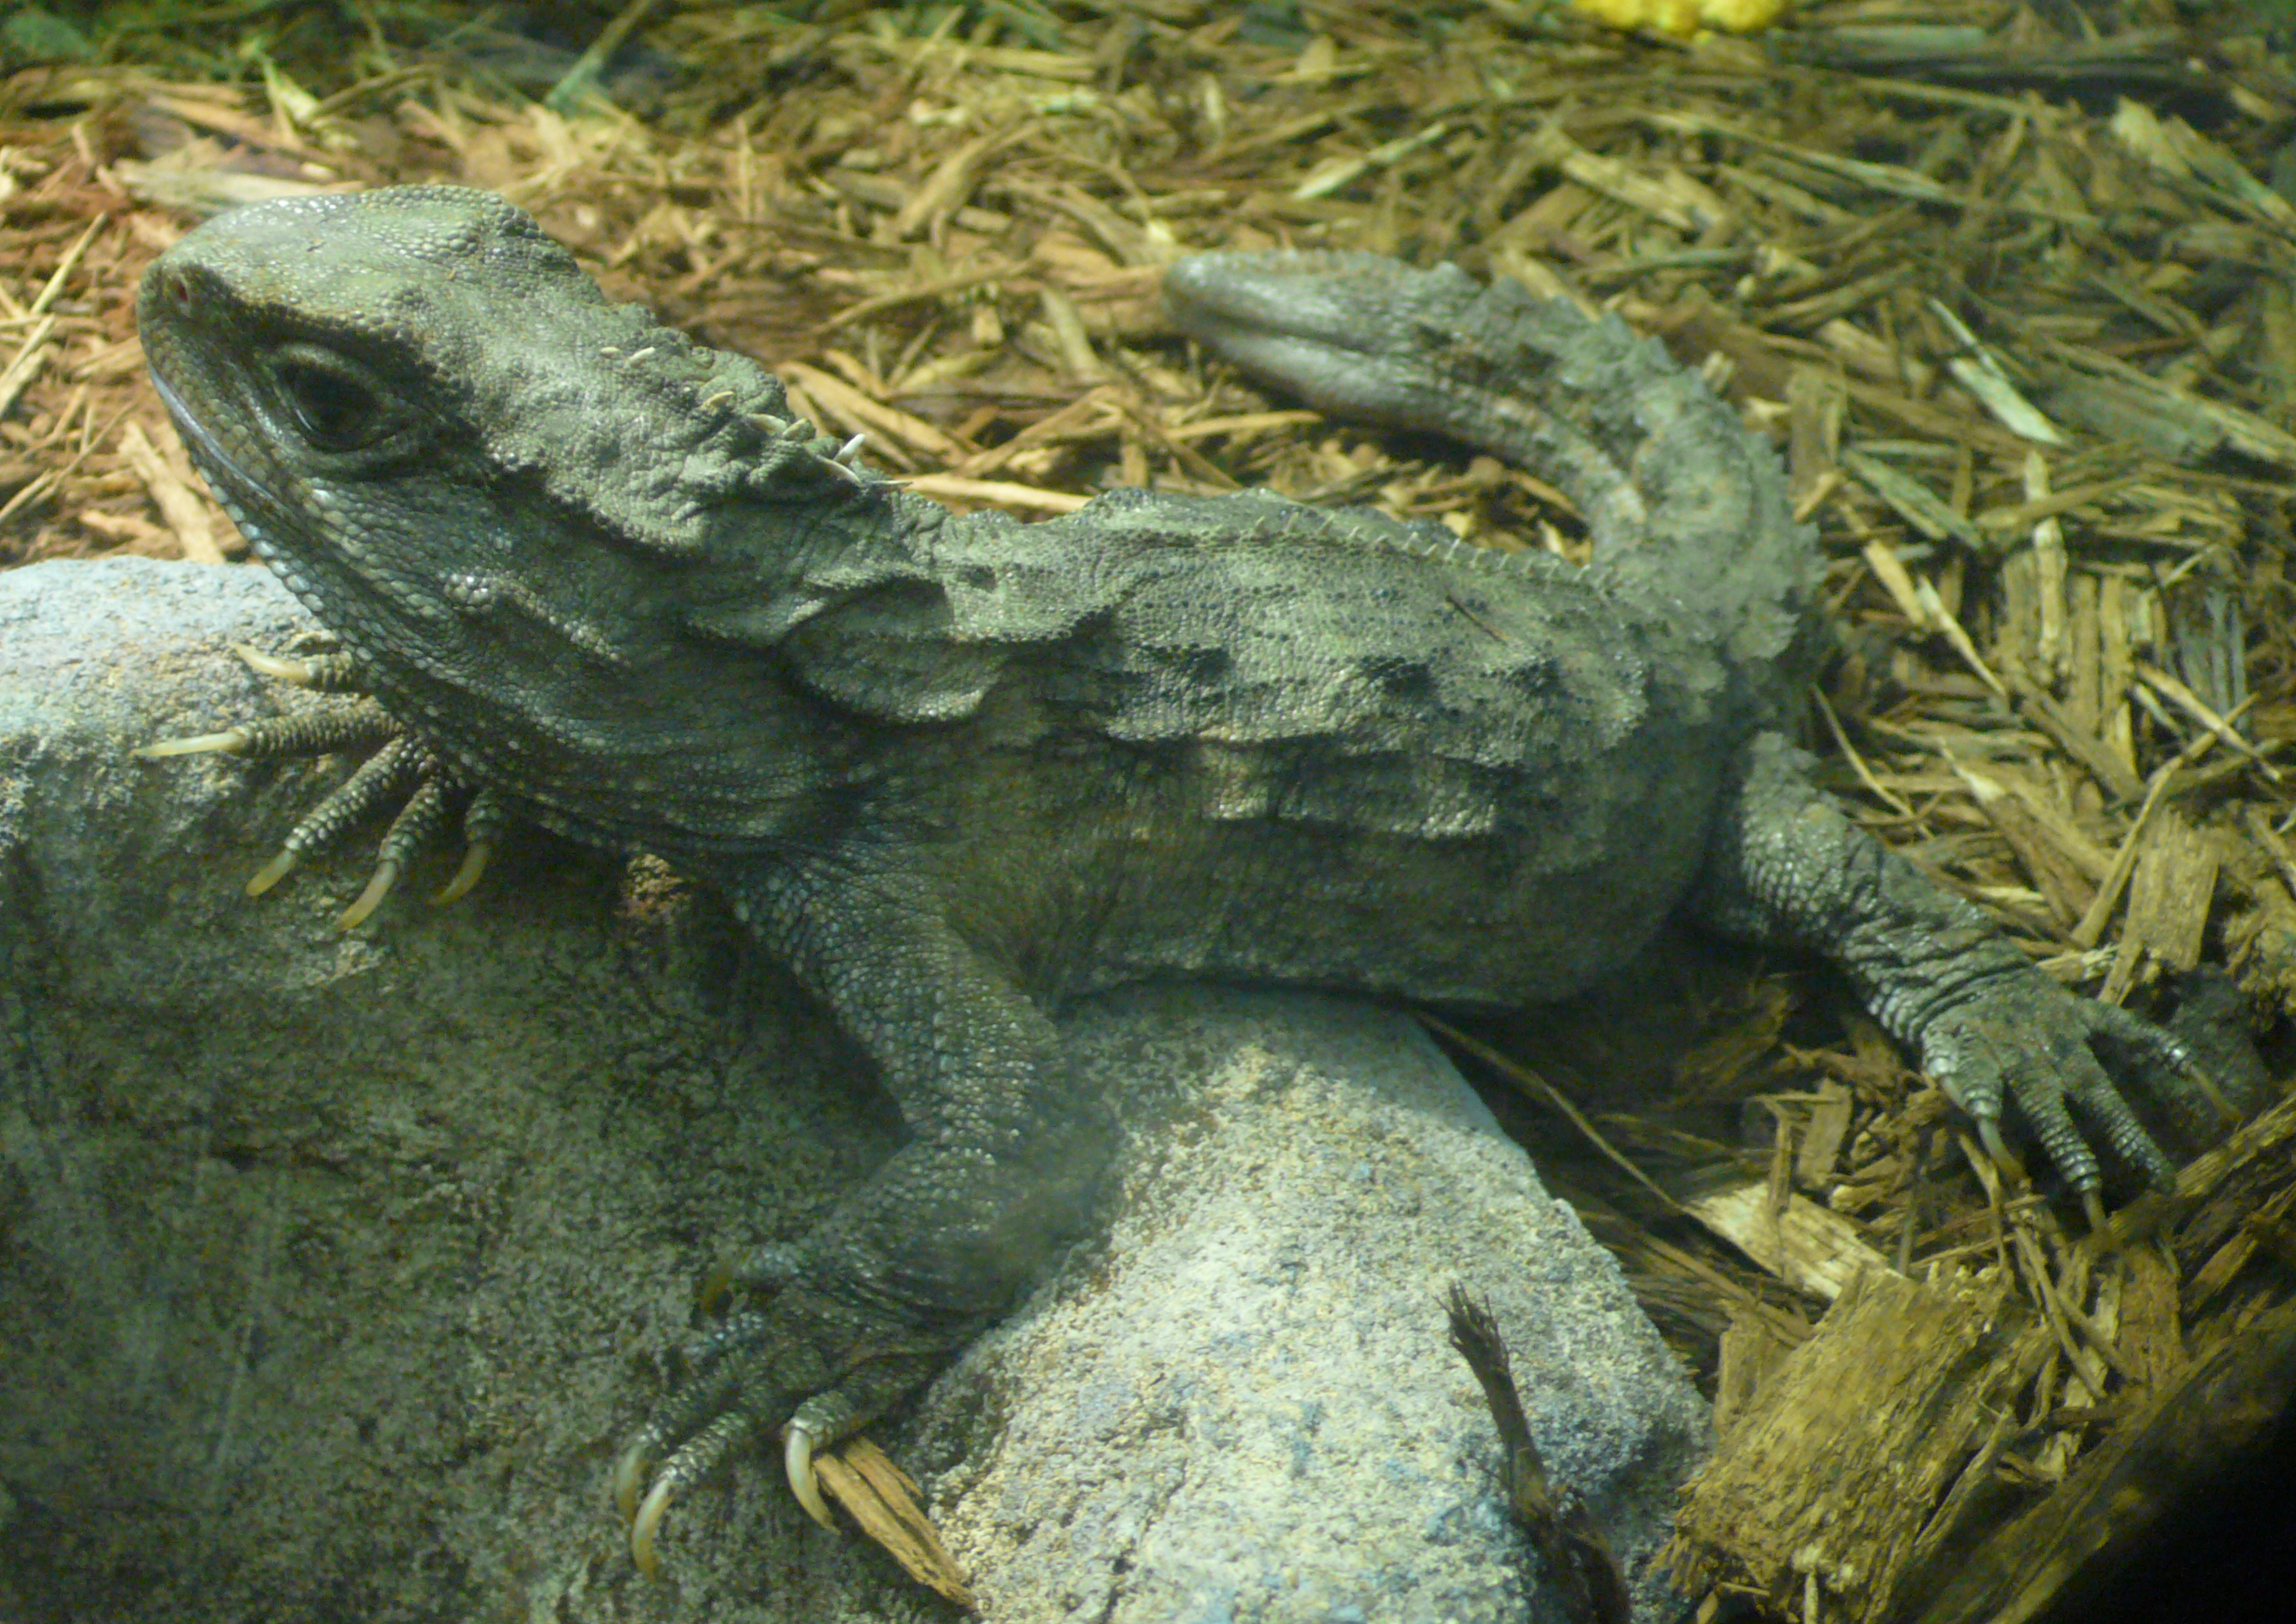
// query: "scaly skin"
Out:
[952,770]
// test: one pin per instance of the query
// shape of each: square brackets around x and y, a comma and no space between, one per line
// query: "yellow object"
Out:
[1683,18]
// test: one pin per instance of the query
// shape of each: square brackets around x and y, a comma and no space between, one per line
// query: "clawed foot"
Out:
[762,1373]
[402,772]
[2057,1056]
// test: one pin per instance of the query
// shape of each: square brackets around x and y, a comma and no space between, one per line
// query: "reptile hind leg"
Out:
[402,771]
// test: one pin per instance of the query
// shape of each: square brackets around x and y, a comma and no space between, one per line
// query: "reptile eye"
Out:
[334,410]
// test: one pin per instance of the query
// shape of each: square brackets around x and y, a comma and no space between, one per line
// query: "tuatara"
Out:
[952,770]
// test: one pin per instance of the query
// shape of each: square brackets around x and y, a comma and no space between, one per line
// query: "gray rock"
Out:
[334,1270]
[1241,1403]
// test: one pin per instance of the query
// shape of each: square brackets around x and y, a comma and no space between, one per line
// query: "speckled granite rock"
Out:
[1243,1403]
[334,1269]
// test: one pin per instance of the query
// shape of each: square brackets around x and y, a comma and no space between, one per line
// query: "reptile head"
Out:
[493,484]
[344,371]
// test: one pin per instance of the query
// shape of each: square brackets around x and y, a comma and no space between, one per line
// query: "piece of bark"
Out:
[2194,1432]
[1847,1466]
[2168,899]
[1750,1353]
[1804,1244]
[883,1498]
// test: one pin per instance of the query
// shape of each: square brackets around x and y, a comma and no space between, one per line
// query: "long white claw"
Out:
[629,1477]
[642,1531]
[386,875]
[1989,1134]
[2093,1209]
[271,874]
[296,671]
[797,1460]
[230,741]
[474,864]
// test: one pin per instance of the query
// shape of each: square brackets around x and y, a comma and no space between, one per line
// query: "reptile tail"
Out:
[1687,510]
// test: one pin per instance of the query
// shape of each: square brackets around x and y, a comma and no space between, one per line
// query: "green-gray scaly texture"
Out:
[953,769]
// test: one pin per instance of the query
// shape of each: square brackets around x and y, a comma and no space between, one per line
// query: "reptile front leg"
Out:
[1786,866]
[402,771]
[907,1269]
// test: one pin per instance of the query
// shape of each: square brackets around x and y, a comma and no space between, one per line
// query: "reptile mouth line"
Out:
[210,455]
[239,493]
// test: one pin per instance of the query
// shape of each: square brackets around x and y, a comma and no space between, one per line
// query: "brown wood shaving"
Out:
[883,1498]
